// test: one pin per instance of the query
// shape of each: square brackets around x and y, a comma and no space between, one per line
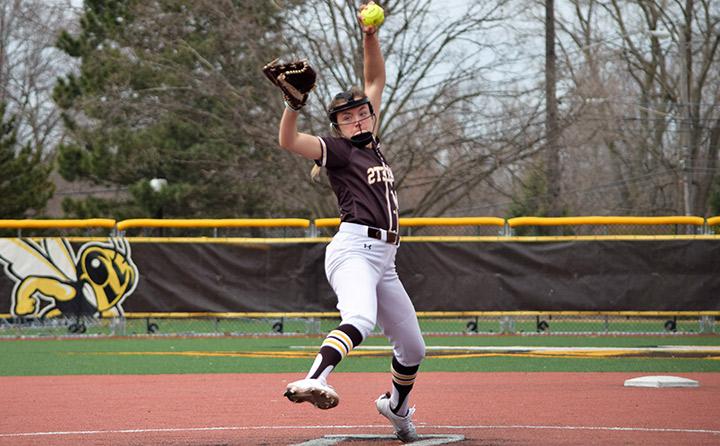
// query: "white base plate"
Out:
[661,381]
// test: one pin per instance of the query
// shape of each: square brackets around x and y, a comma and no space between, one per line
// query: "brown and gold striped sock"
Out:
[334,348]
[403,378]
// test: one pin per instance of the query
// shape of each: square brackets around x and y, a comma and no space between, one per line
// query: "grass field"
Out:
[160,355]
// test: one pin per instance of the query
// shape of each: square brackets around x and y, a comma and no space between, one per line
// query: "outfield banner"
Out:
[578,275]
[50,277]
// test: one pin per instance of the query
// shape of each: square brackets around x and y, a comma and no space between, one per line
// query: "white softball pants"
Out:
[361,271]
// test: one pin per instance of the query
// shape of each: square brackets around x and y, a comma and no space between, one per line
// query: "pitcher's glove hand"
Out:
[295,79]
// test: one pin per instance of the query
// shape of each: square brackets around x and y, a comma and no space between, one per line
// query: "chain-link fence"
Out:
[219,232]
[607,226]
[510,323]
[608,230]
[713,225]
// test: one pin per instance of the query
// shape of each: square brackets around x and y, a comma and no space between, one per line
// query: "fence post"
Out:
[117,326]
[507,325]
[312,326]
[506,230]
[707,324]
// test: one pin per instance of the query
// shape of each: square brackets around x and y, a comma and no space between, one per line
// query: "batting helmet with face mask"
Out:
[359,140]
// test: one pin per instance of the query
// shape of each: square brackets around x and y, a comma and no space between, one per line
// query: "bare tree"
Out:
[29,64]
[645,74]
[553,177]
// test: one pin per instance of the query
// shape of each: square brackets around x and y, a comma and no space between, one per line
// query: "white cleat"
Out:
[314,391]
[404,427]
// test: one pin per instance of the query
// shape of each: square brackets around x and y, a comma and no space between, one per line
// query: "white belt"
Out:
[369,231]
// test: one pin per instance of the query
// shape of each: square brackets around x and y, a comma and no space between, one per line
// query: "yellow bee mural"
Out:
[52,280]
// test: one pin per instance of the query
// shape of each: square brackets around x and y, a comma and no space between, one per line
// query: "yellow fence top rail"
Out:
[334,222]
[428,221]
[568,221]
[57,224]
[213,223]
[327,222]
[452,221]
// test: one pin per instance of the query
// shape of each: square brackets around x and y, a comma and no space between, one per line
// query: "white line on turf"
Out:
[366,426]
[590,428]
[185,429]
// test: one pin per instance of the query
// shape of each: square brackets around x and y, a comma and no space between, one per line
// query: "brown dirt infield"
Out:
[248,409]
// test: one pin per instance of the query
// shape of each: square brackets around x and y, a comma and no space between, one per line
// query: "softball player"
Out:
[360,260]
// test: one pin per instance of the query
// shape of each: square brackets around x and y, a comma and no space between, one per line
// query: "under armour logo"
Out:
[366,246]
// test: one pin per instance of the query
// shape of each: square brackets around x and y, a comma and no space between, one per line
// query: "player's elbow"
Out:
[288,145]
[286,141]
[376,82]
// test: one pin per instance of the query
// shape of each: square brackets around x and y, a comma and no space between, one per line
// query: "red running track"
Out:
[248,409]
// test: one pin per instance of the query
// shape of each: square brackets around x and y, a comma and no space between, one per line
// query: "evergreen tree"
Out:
[531,201]
[24,184]
[172,90]
[715,199]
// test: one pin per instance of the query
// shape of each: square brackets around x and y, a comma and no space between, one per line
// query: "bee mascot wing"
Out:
[51,258]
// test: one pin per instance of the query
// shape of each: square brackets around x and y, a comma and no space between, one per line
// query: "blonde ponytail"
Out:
[315,172]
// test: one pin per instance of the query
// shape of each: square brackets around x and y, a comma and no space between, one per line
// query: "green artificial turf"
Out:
[159,355]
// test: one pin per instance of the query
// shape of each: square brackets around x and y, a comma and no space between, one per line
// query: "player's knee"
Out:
[363,325]
[419,351]
[412,353]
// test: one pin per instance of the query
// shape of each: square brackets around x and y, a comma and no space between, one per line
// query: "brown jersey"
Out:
[362,181]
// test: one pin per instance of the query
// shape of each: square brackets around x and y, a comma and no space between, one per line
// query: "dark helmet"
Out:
[350,102]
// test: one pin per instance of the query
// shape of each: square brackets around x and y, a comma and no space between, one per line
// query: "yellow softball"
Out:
[372,15]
